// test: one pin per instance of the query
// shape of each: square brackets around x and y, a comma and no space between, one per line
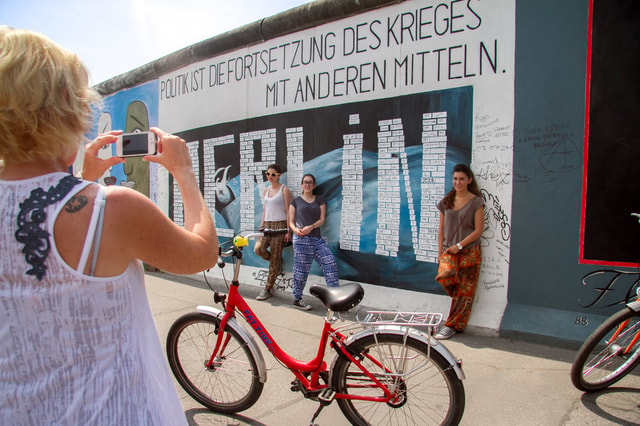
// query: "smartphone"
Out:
[136,144]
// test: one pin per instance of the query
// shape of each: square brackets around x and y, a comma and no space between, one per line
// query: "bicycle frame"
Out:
[235,302]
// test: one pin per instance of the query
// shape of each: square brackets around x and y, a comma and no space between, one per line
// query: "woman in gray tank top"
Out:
[461,225]
[306,216]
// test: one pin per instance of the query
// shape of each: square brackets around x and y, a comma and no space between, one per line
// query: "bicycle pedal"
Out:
[327,396]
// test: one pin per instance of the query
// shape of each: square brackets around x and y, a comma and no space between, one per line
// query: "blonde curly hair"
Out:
[45,98]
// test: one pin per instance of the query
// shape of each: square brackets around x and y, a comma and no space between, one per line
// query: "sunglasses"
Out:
[272,174]
[307,182]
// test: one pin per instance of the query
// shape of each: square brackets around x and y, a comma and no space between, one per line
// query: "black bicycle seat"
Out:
[338,299]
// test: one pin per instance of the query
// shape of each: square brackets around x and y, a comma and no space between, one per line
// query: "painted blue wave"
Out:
[403,271]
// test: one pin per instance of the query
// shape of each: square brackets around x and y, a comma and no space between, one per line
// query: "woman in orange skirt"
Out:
[461,225]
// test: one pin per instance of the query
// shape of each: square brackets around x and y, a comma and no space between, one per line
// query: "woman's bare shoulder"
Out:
[123,200]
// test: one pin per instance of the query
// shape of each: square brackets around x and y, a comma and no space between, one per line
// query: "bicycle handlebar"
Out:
[240,241]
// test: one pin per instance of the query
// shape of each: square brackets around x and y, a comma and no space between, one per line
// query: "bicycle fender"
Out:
[416,334]
[251,343]
[635,305]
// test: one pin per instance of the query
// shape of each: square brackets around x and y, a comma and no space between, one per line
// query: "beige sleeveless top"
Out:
[460,223]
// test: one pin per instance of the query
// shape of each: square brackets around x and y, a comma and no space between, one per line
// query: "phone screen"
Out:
[135,144]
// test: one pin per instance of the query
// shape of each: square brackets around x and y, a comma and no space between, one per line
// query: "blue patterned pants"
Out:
[305,250]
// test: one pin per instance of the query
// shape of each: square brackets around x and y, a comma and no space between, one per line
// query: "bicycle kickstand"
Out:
[325,398]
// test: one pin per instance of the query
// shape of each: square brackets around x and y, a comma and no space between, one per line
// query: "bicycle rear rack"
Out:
[406,319]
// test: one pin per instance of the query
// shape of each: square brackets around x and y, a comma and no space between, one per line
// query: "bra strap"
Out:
[98,235]
[93,232]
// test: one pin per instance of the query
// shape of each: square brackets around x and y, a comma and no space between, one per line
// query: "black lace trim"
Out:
[32,215]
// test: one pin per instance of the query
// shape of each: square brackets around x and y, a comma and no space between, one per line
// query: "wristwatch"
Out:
[459,246]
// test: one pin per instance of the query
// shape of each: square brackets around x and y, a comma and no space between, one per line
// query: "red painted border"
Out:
[585,166]
[586,153]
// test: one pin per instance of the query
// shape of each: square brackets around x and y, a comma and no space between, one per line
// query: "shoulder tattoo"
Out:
[76,203]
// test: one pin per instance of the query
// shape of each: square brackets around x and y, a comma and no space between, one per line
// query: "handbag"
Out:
[448,265]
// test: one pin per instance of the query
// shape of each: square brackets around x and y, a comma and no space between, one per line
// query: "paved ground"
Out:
[508,382]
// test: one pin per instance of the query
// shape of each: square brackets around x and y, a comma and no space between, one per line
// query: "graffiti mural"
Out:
[395,159]
[379,107]
[380,103]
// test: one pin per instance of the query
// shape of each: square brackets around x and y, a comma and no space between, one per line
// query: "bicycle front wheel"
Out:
[231,384]
[605,357]
[426,390]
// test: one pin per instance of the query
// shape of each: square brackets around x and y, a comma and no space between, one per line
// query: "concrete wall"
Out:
[379,100]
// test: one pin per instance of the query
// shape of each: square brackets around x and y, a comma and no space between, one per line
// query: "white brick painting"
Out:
[351,217]
[252,169]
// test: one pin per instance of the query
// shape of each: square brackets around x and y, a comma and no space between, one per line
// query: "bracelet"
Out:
[459,246]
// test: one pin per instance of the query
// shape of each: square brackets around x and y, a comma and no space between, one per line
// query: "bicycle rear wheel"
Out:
[427,390]
[602,359]
[232,383]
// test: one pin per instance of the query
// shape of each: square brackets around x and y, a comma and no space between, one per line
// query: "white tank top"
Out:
[74,349]
[274,208]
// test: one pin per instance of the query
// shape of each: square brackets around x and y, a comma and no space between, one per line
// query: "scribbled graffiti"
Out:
[609,287]
[560,155]
[495,172]
[283,282]
[496,217]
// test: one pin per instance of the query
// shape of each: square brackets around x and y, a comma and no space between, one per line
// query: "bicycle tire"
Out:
[232,384]
[599,362]
[432,394]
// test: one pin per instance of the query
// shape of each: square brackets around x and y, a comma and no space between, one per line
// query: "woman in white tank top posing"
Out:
[276,199]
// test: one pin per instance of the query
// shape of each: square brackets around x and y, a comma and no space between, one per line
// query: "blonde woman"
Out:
[78,344]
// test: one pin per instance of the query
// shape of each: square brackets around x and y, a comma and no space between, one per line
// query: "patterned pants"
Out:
[305,250]
[270,249]
[462,287]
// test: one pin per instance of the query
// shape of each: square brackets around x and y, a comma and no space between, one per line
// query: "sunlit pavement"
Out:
[508,382]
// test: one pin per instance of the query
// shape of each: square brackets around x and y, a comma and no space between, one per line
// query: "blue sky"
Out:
[116,36]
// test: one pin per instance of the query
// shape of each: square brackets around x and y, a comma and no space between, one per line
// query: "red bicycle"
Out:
[384,370]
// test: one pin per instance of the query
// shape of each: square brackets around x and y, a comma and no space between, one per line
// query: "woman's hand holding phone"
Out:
[93,167]
[168,150]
